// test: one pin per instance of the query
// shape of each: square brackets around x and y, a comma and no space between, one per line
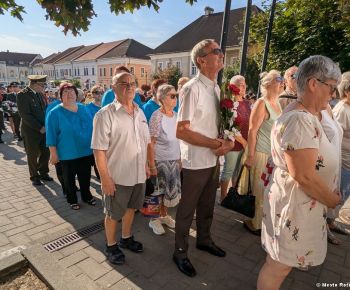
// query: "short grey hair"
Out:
[163,90]
[118,76]
[344,85]
[236,79]
[266,78]
[319,67]
[198,50]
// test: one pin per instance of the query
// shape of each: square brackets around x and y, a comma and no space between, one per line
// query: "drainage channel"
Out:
[73,237]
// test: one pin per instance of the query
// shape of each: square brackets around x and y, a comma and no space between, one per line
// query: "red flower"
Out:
[234,89]
[226,104]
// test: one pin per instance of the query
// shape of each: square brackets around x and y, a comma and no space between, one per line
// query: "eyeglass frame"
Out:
[127,85]
[279,79]
[97,93]
[173,96]
[333,88]
[215,51]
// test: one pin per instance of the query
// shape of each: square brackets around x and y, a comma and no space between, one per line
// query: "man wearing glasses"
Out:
[120,139]
[197,129]
[290,93]
[31,107]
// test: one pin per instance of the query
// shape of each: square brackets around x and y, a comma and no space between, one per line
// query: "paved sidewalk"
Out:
[28,215]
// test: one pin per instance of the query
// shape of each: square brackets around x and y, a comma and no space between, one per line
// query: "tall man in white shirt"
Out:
[197,129]
[120,139]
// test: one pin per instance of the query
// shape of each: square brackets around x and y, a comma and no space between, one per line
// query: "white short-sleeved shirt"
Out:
[199,104]
[163,128]
[125,138]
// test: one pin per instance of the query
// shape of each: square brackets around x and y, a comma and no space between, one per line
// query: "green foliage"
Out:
[75,15]
[172,74]
[303,28]
[76,83]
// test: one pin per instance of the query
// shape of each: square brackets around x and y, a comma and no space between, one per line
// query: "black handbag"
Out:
[243,204]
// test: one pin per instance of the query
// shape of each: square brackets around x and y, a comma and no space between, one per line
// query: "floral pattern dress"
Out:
[294,225]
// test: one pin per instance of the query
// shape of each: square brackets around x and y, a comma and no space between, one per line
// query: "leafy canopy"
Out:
[303,28]
[75,15]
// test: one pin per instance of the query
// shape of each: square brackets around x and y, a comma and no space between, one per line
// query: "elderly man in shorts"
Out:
[120,140]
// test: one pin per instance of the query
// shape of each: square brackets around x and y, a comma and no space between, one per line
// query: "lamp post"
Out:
[224,32]
[248,13]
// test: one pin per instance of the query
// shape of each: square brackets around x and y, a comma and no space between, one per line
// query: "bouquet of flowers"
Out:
[228,113]
[9,107]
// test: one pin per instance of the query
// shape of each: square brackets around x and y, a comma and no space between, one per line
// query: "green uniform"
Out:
[31,107]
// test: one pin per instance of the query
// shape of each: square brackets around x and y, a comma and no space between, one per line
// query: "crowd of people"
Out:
[298,131]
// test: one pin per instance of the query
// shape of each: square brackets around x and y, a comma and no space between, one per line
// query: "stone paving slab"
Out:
[34,216]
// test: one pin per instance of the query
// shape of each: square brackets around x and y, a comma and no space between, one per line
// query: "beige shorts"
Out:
[124,198]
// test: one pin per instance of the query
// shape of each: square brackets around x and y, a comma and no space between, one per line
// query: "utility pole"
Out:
[267,40]
[224,32]
[243,66]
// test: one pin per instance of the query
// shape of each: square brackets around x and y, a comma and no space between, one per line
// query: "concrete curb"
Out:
[47,268]
[12,264]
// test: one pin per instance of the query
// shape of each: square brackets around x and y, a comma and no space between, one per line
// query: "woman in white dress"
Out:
[304,180]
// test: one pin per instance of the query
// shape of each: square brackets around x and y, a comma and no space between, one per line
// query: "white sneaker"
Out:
[168,221]
[156,226]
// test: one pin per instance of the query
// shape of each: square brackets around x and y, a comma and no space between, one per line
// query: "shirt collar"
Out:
[118,105]
[31,90]
[207,82]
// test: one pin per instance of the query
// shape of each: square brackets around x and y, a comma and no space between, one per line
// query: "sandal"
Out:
[91,202]
[75,206]
[338,228]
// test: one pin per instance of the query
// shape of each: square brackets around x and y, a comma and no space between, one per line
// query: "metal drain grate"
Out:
[73,237]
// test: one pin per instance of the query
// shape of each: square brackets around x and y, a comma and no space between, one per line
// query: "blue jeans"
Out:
[232,165]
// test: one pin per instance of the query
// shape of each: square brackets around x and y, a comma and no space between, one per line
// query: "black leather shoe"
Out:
[46,177]
[185,266]
[36,182]
[212,249]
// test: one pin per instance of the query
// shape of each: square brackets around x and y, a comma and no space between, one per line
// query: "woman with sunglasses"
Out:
[264,113]
[68,136]
[164,156]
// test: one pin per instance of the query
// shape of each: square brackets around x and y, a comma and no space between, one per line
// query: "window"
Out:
[160,65]
[100,72]
[132,70]
[86,71]
[111,71]
[70,72]
[104,71]
[168,64]
[193,69]
[142,72]
[178,64]
[93,71]
[78,71]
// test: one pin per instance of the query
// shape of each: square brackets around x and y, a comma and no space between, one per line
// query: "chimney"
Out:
[208,10]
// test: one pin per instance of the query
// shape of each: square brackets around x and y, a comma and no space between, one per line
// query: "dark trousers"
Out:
[59,173]
[82,168]
[16,122]
[38,154]
[198,193]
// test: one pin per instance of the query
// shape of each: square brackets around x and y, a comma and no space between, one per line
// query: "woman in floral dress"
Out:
[304,181]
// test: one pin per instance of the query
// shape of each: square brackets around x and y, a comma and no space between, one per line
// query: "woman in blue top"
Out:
[68,137]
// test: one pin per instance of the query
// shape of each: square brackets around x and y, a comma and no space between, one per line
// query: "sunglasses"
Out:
[173,96]
[215,51]
[293,76]
[97,93]
[279,79]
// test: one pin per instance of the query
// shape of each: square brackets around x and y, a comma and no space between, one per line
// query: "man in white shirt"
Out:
[197,129]
[120,139]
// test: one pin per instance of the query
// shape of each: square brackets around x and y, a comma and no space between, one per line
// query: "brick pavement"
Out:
[29,214]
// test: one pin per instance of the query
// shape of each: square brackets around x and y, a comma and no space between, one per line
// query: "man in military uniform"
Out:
[31,107]
[14,118]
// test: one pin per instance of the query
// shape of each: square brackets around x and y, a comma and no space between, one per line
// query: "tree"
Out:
[303,28]
[75,15]
[172,74]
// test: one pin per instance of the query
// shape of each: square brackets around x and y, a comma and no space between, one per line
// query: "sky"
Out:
[38,35]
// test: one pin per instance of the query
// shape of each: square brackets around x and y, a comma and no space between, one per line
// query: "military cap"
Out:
[14,84]
[37,78]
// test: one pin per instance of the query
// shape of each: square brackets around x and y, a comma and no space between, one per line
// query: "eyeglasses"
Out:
[279,79]
[332,87]
[173,96]
[128,85]
[216,51]
[97,93]
[293,76]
